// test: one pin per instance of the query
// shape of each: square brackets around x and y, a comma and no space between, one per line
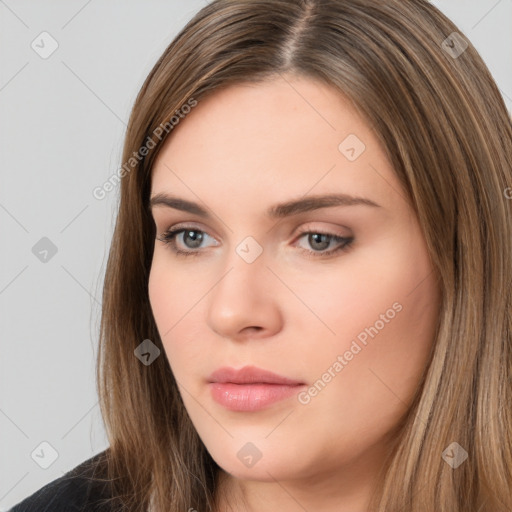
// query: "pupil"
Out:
[317,238]
[196,240]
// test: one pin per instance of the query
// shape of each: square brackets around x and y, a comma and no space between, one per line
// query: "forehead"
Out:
[287,136]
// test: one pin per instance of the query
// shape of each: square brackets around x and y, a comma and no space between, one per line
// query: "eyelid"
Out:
[312,227]
[192,226]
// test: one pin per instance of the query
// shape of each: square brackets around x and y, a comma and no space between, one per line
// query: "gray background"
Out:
[62,121]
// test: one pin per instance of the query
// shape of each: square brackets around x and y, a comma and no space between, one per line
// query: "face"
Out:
[337,296]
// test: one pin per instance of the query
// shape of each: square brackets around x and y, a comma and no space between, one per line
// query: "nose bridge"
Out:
[241,298]
[245,268]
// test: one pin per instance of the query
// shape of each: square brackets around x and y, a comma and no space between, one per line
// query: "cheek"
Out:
[392,274]
[381,310]
[164,302]
[172,292]
[174,299]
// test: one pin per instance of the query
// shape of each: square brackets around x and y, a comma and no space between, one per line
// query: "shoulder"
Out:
[80,489]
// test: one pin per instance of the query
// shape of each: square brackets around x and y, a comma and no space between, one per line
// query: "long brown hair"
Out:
[444,126]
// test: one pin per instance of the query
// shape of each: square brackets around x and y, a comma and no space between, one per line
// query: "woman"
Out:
[307,303]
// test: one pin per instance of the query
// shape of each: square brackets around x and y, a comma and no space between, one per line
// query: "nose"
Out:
[244,303]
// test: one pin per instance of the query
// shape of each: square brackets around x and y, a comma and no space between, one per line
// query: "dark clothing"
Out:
[75,491]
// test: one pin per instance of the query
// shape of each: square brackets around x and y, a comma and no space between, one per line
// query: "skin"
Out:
[238,152]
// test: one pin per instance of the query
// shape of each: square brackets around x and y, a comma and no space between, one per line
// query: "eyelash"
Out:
[168,238]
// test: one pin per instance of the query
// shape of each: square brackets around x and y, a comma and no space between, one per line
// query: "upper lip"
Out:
[250,375]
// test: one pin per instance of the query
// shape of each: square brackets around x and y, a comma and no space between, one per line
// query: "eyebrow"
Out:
[294,207]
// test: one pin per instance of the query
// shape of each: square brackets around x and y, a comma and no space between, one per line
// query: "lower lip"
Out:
[250,397]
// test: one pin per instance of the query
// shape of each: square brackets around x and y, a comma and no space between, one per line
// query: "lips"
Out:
[250,389]
[250,375]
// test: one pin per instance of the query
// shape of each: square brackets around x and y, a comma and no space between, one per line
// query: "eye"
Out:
[320,241]
[192,238]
